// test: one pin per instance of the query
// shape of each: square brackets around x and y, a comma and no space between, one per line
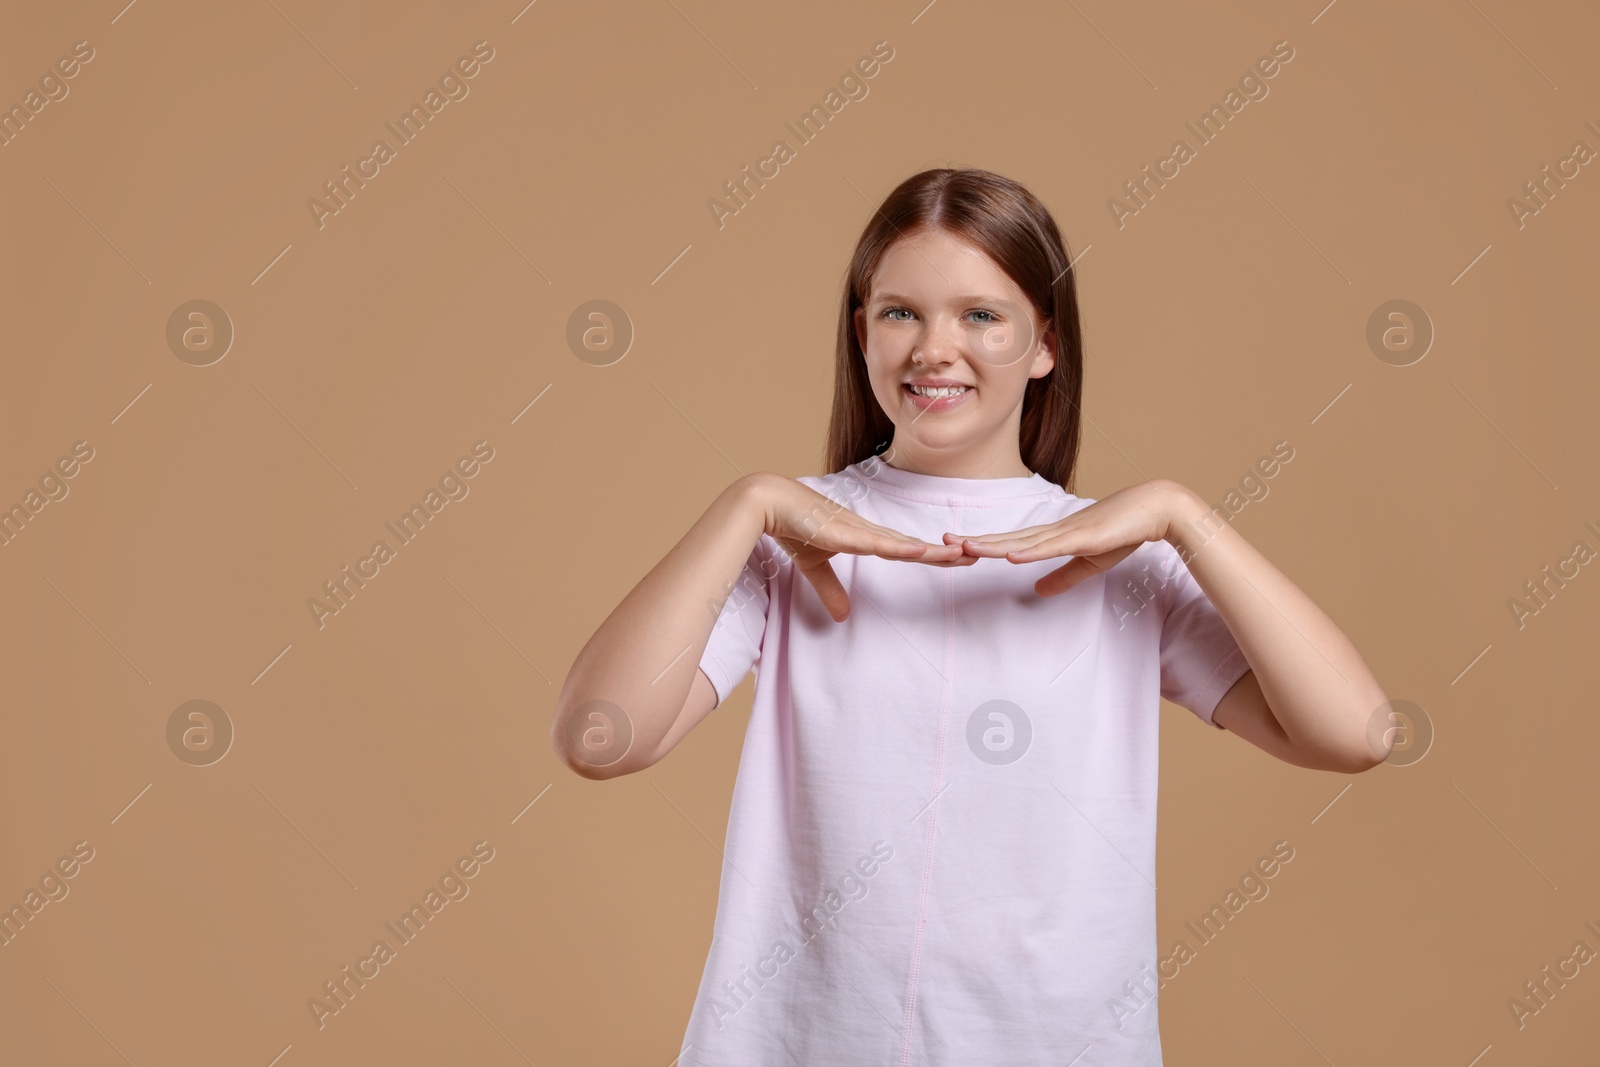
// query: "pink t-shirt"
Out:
[942,842]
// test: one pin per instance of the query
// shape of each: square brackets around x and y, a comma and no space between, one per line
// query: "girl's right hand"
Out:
[812,528]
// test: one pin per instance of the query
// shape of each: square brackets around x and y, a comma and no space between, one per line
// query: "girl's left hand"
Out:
[1098,537]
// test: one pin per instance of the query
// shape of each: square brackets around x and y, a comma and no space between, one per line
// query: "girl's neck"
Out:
[957,465]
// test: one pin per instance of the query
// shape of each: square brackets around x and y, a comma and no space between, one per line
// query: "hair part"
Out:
[1011,226]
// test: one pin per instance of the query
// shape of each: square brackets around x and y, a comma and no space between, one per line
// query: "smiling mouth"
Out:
[937,400]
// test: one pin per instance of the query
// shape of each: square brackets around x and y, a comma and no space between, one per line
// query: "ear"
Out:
[1044,361]
[860,321]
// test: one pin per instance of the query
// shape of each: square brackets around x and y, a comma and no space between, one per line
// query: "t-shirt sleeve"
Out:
[1200,660]
[734,646]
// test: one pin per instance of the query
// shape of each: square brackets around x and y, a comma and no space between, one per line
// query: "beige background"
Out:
[429,313]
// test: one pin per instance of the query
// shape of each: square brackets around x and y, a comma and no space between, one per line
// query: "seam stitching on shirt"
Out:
[1237,653]
[933,814]
[1210,683]
[722,669]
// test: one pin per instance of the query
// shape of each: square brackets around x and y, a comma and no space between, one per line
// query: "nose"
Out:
[940,343]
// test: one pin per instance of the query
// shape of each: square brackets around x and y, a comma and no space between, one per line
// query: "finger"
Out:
[841,524]
[933,554]
[998,545]
[1080,569]
[870,525]
[851,530]
[1026,531]
[853,521]
[868,538]
[865,540]
[911,550]
[829,589]
[1065,577]
[994,547]
[1078,541]
[1102,558]
[962,561]
[848,532]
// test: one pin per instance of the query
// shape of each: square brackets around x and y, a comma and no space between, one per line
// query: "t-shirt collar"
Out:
[932,488]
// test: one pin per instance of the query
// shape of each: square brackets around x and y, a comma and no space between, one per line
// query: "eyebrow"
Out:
[967,299]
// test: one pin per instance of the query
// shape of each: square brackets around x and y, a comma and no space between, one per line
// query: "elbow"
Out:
[1375,744]
[1353,763]
[594,774]
[1355,758]
[576,766]
[599,772]
[585,748]
[560,745]
[1357,746]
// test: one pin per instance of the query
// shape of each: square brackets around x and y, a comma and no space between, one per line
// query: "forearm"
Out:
[1313,678]
[642,659]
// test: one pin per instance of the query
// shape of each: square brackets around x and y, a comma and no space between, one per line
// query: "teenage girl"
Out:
[941,848]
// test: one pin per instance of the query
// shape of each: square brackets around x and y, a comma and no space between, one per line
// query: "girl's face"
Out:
[943,314]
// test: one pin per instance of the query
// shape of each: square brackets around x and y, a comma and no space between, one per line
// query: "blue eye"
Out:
[889,313]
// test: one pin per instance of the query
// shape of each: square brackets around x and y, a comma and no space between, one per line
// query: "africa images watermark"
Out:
[1539,994]
[53,88]
[744,588]
[1142,989]
[53,887]
[1541,591]
[53,484]
[738,191]
[350,981]
[1252,484]
[453,85]
[852,887]
[1540,191]
[341,590]
[1255,89]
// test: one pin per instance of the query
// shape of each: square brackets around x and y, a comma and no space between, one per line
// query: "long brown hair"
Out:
[1014,229]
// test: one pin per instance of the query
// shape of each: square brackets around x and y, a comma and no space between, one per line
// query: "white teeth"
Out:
[941,391]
